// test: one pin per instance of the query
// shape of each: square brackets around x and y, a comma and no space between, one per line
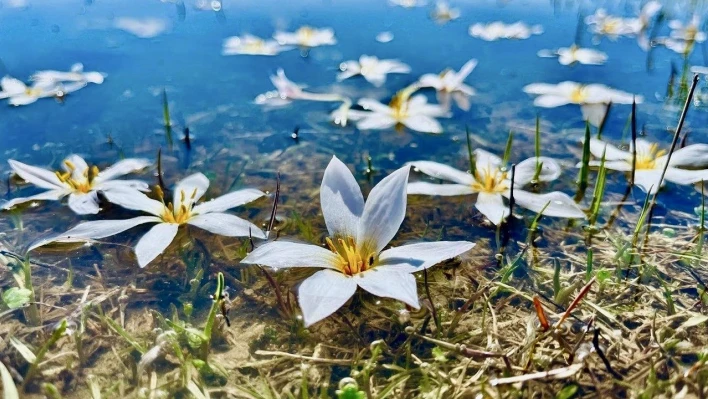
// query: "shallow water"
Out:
[238,143]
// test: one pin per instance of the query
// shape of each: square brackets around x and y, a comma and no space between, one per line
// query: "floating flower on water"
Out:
[372,69]
[169,216]
[443,13]
[651,160]
[499,30]
[492,183]
[571,55]
[144,28]
[640,25]
[608,25]
[78,181]
[412,112]
[19,93]
[384,37]
[252,45]
[451,84]
[306,36]
[76,74]
[592,98]
[683,37]
[358,232]
[407,3]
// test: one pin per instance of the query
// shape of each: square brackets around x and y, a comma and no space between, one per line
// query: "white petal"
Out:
[590,57]
[466,70]
[492,206]
[550,101]
[323,293]
[442,171]
[193,186]
[376,79]
[422,123]
[228,201]
[526,169]
[84,204]
[430,80]
[685,176]
[612,153]
[486,160]
[282,254]
[389,284]
[37,176]
[375,106]
[621,166]
[692,156]
[22,99]
[341,200]
[12,86]
[51,195]
[346,74]
[154,242]
[541,88]
[425,188]
[96,229]
[384,211]
[226,225]
[648,180]
[559,204]
[122,185]
[121,168]
[593,113]
[135,200]
[423,255]
[462,100]
[80,167]
[376,121]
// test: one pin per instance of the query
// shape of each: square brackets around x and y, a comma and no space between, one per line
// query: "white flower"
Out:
[372,69]
[651,160]
[358,232]
[451,84]
[413,112]
[76,75]
[407,3]
[608,25]
[252,45]
[689,32]
[78,181]
[443,13]
[492,183]
[499,30]
[592,98]
[144,28]
[640,25]
[19,93]
[306,36]
[169,217]
[571,55]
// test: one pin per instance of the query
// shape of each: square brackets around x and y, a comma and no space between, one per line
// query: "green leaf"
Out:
[16,297]
[567,392]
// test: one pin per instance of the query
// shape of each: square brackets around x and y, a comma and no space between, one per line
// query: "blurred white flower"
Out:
[574,54]
[407,3]
[443,13]
[499,30]
[78,181]
[251,45]
[183,210]
[144,28]
[76,74]
[640,25]
[492,183]
[372,69]
[450,84]
[354,257]
[610,26]
[306,36]
[683,37]
[19,93]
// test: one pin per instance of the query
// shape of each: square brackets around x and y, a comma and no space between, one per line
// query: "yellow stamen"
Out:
[578,95]
[351,259]
[647,159]
[490,180]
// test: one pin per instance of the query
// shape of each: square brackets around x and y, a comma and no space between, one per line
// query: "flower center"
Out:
[33,92]
[254,45]
[180,214]
[490,180]
[578,94]
[611,26]
[647,159]
[305,34]
[80,184]
[350,259]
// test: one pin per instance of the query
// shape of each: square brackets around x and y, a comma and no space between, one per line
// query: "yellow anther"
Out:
[160,193]
[69,165]
[351,259]
[181,196]
[94,172]
[194,193]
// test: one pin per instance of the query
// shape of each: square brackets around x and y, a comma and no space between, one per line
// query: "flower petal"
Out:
[376,79]
[486,160]
[228,201]
[84,204]
[422,255]
[685,176]
[341,200]
[648,180]
[550,101]
[492,206]
[78,166]
[37,176]
[559,204]
[425,188]
[462,100]
[593,113]
[423,123]
[691,156]
[370,104]
[154,242]
[121,168]
[526,169]
[389,284]
[282,254]
[375,121]
[122,185]
[226,225]
[442,171]
[134,200]
[323,293]
[612,153]
[384,210]
[51,195]
[193,186]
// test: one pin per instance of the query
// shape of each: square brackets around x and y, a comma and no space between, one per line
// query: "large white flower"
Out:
[306,36]
[19,93]
[78,181]
[499,30]
[372,69]
[651,160]
[574,54]
[611,26]
[492,183]
[592,98]
[183,210]
[358,232]
[252,45]
[412,112]
[76,75]
[451,84]
[443,13]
